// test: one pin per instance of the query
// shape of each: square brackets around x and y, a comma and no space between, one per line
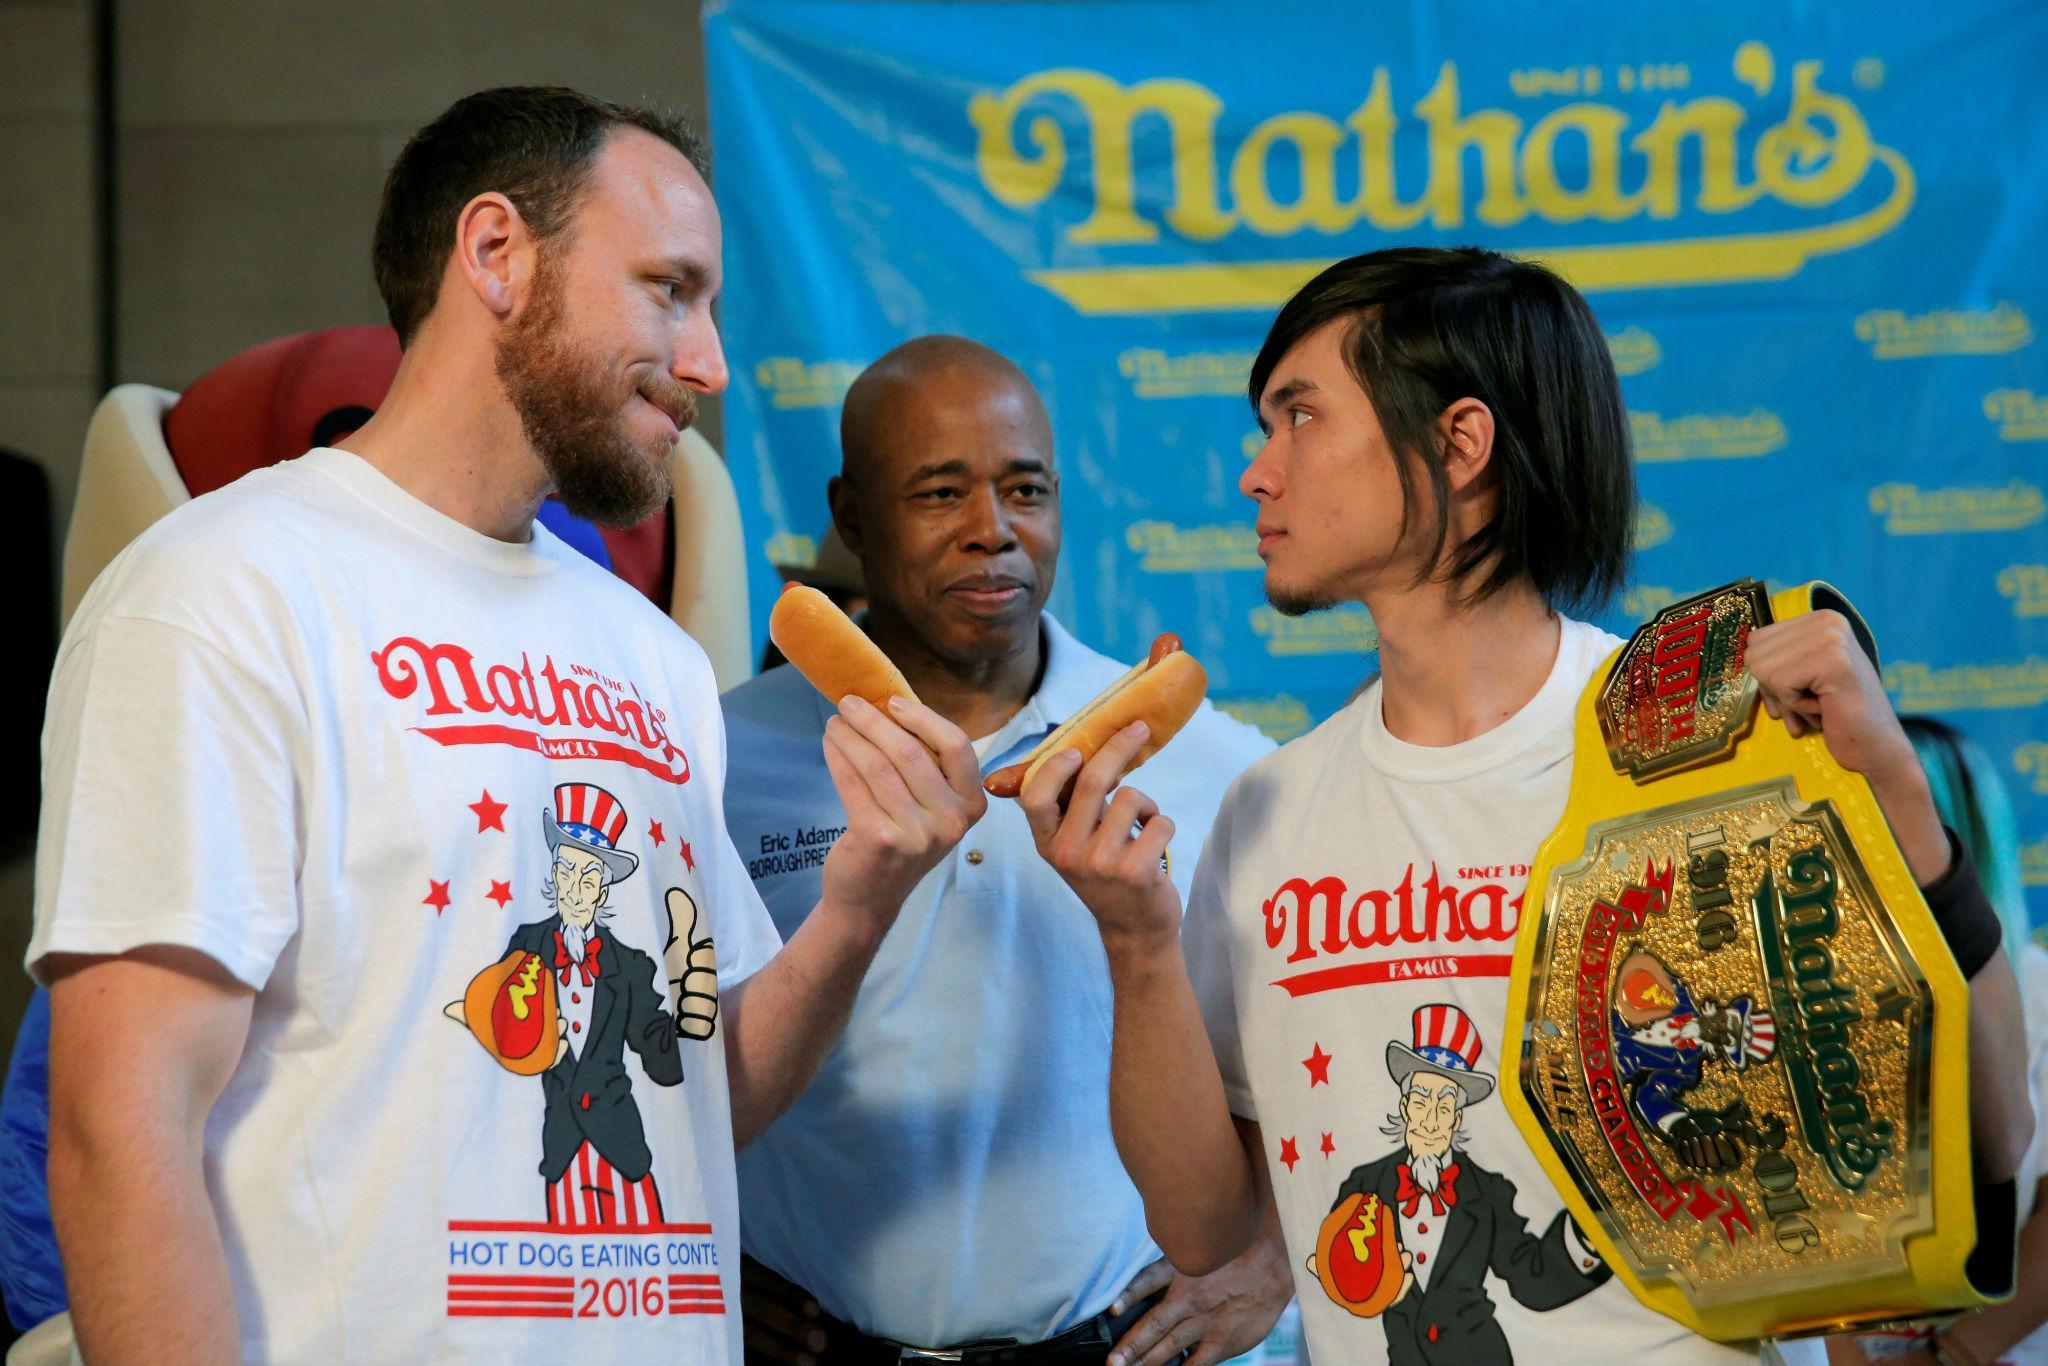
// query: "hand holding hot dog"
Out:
[911,788]
[1108,849]
[906,775]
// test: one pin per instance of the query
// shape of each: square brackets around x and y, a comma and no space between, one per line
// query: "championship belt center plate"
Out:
[1742,1038]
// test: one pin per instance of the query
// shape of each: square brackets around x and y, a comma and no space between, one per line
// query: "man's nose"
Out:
[987,522]
[699,359]
[1261,478]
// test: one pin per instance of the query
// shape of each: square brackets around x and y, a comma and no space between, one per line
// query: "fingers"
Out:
[1108,767]
[780,1320]
[1151,1280]
[909,786]
[899,770]
[1040,797]
[697,1003]
[889,804]
[453,1010]
[1084,814]
[1153,1337]
[941,738]
[1176,1338]
[682,916]
[850,783]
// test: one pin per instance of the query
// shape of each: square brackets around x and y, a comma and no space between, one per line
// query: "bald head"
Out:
[944,372]
[948,496]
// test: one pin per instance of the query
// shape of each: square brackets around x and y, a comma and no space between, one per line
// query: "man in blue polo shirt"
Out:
[949,1179]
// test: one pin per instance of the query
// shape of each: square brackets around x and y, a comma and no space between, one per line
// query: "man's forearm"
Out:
[141,1244]
[1172,1123]
[784,1019]
[2001,1118]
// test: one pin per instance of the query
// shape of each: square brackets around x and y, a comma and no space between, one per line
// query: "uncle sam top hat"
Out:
[1447,1042]
[589,818]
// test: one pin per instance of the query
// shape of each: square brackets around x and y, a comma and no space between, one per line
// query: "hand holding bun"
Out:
[1163,692]
[833,653]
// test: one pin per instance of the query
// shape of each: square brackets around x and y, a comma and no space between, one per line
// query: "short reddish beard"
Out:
[572,412]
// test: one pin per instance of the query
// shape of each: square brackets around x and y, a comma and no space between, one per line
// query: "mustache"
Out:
[673,398]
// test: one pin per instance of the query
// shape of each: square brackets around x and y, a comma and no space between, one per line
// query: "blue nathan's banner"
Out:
[1814,235]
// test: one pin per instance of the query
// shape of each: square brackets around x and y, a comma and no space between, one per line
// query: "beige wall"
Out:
[253,136]
[48,305]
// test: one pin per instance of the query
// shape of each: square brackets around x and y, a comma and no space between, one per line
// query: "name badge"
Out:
[1741,1039]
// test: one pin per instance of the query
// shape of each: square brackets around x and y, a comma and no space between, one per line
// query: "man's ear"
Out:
[845,506]
[494,253]
[1467,430]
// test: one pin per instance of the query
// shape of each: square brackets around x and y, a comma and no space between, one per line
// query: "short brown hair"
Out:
[533,144]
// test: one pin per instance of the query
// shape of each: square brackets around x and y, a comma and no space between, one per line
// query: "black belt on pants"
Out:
[1085,1344]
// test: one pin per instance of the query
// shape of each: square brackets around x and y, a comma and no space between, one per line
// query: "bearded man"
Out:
[285,732]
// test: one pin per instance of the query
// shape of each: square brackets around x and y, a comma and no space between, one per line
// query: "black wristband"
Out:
[1963,912]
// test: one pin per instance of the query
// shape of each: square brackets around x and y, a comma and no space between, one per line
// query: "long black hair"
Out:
[1432,325]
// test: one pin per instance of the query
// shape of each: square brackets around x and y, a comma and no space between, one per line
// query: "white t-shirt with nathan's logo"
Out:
[1352,925]
[359,754]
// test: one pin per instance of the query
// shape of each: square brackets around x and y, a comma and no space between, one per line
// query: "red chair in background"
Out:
[149,450]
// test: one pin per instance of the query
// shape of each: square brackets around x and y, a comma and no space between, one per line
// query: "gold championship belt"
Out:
[1742,1036]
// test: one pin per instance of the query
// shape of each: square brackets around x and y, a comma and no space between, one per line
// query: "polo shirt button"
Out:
[974,856]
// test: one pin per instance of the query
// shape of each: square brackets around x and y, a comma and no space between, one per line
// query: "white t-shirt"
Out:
[357,752]
[1352,923]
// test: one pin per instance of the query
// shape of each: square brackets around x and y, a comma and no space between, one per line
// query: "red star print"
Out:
[654,833]
[501,892]
[437,896]
[1289,1153]
[1318,1065]
[683,848]
[490,815]
[1329,1146]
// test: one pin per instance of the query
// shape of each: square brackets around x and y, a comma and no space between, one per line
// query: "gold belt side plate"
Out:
[1741,1038]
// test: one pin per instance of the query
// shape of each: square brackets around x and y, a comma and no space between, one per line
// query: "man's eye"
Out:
[1032,492]
[939,495]
[1297,416]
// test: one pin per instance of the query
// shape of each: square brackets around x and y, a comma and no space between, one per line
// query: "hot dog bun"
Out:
[833,653]
[1163,692]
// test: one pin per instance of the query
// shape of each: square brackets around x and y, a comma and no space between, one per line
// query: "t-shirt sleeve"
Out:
[1205,943]
[747,937]
[171,802]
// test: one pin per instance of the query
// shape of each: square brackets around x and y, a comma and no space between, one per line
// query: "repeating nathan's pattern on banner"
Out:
[1822,320]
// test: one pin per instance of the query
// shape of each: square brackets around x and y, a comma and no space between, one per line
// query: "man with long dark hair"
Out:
[1446,444]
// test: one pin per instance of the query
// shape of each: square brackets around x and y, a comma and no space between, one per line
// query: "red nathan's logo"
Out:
[1315,921]
[576,699]
[1670,682]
